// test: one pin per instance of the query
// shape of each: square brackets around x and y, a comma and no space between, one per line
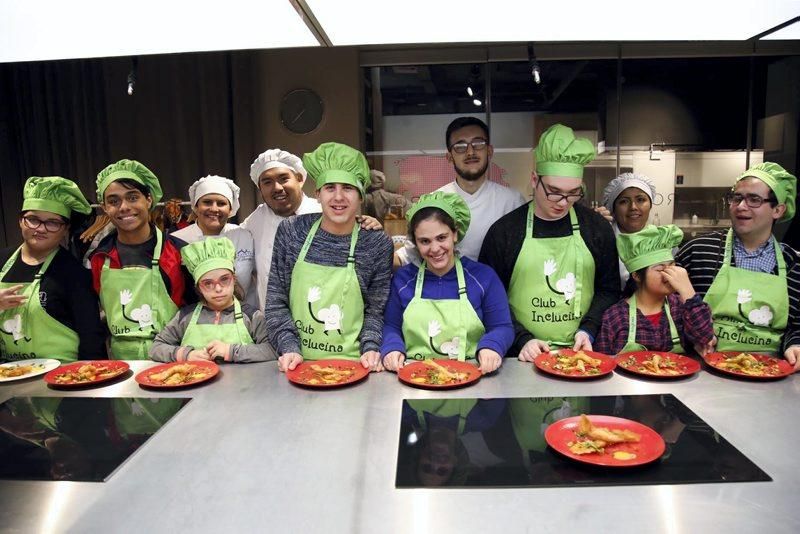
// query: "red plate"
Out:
[779,367]
[649,448]
[546,360]
[114,367]
[144,378]
[303,374]
[415,370]
[634,362]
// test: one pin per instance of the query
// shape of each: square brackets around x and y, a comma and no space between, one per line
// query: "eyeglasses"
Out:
[50,225]
[558,197]
[751,199]
[130,198]
[209,285]
[462,146]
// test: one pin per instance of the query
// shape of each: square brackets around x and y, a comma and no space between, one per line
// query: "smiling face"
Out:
[555,187]
[472,164]
[216,288]
[340,204]
[212,212]
[282,190]
[632,210]
[40,240]
[436,244]
[128,209]
[754,224]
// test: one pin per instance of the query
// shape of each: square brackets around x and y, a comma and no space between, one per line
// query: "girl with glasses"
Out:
[219,327]
[47,306]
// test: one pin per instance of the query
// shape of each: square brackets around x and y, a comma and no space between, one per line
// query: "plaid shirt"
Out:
[761,260]
[692,319]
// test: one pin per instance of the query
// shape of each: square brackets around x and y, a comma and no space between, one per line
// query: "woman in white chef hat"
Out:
[214,200]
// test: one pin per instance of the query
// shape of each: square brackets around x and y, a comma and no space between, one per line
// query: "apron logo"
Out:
[760,316]
[448,348]
[142,315]
[331,317]
[565,286]
[13,327]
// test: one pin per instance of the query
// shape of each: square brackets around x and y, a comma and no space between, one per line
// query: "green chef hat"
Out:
[132,170]
[560,153]
[649,246]
[209,254]
[54,194]
[783,184]
[335,163]
[450,203]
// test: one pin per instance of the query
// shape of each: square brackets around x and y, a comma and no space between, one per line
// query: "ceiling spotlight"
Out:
[469,91]
[476,102]
[132,75]
[537,75]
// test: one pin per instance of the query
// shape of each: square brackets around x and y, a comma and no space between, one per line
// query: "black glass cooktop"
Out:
[500,443]
[76,438]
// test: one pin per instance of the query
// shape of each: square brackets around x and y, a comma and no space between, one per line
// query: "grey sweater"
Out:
[373,254]
[168,341]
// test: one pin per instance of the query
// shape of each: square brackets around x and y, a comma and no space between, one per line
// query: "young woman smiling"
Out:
[451,306]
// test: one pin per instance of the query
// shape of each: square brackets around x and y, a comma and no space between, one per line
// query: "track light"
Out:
[537,76]
[132,76]
[476,102]
[469,91]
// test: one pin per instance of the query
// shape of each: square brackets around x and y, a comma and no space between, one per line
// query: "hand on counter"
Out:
[709,347]
[489,360]
[582,341]
[289,361]
[394,360]
[218,348]
[198,355]
[532,349]
[372,360]
[792,355]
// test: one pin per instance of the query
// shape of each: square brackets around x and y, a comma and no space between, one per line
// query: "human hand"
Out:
[369,223]
[218,348]
[9,298]
[532,349]
[709,347]
[792,355]
[582,341]
[678,279]
[372,360]
[198,355]
[393,361]
[489,361]
[602,210]
[289,361]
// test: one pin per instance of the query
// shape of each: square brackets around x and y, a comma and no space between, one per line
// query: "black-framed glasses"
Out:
[50,225]
[462,146]
[751,199]
[558,197]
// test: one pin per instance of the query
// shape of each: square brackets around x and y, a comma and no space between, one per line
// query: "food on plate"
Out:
[623,455]
[13,371]
[88,373]
[180,374]
[593,439]
[578,363]
[317,374]
[435,374]
[656,364]
[750,365]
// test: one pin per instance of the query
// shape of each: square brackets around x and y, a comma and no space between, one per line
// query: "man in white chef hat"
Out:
[279,176]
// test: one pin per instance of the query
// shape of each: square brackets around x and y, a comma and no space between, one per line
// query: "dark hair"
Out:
[632,285]
[130,185]
[462,122]
[429,213]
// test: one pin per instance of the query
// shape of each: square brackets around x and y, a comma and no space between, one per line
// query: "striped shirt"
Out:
[702,257]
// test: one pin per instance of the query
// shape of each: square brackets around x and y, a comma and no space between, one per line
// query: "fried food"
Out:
[13,371]
[579,363]
[180,374]
[594,439]
[325,374]
[656,364]
[748,364]
[88,373]
[437,375]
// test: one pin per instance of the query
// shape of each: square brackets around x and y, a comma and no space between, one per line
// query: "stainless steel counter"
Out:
[254,453]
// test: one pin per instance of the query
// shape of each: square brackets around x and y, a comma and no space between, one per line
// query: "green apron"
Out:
[136,416]
[137,306]
[434,328]
[632,346]
[326,304]
[750,309]
[445,409]
[530,417]
[200,335]
[28,331]
[552,284]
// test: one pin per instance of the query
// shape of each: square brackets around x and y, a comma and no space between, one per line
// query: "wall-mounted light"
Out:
[476,102]
[469,91]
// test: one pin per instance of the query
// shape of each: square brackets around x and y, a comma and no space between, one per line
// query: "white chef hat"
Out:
[215,184]
[624,181]
[275,157]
